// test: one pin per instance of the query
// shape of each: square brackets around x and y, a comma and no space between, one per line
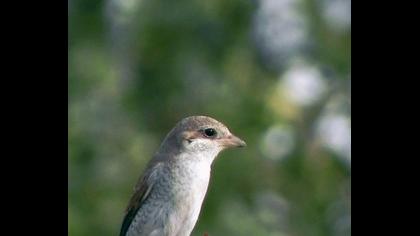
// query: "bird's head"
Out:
[201,135]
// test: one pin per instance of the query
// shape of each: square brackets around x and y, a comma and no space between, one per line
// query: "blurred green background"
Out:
[277,72]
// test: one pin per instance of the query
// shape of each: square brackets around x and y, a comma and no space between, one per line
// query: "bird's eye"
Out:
[210,132]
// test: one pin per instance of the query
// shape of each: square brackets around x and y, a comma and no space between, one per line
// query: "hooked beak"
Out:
[232,141]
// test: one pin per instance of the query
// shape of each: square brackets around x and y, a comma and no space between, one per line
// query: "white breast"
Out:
[192,182]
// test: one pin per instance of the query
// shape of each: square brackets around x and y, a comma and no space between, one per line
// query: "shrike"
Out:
[168,197]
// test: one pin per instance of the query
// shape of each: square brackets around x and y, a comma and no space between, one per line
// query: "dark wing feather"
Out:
[141,192]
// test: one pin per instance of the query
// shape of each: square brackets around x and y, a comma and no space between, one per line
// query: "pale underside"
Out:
[173,199]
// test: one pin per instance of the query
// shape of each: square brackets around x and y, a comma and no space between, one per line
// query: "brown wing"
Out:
[141,192]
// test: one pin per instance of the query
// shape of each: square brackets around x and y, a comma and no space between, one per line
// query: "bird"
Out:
[167,198]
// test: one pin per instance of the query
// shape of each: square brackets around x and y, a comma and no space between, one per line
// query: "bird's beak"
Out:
[232,141]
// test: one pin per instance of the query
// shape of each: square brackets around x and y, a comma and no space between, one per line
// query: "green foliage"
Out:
[137,67]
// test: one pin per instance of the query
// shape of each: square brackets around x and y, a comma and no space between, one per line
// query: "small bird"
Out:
[168,197]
